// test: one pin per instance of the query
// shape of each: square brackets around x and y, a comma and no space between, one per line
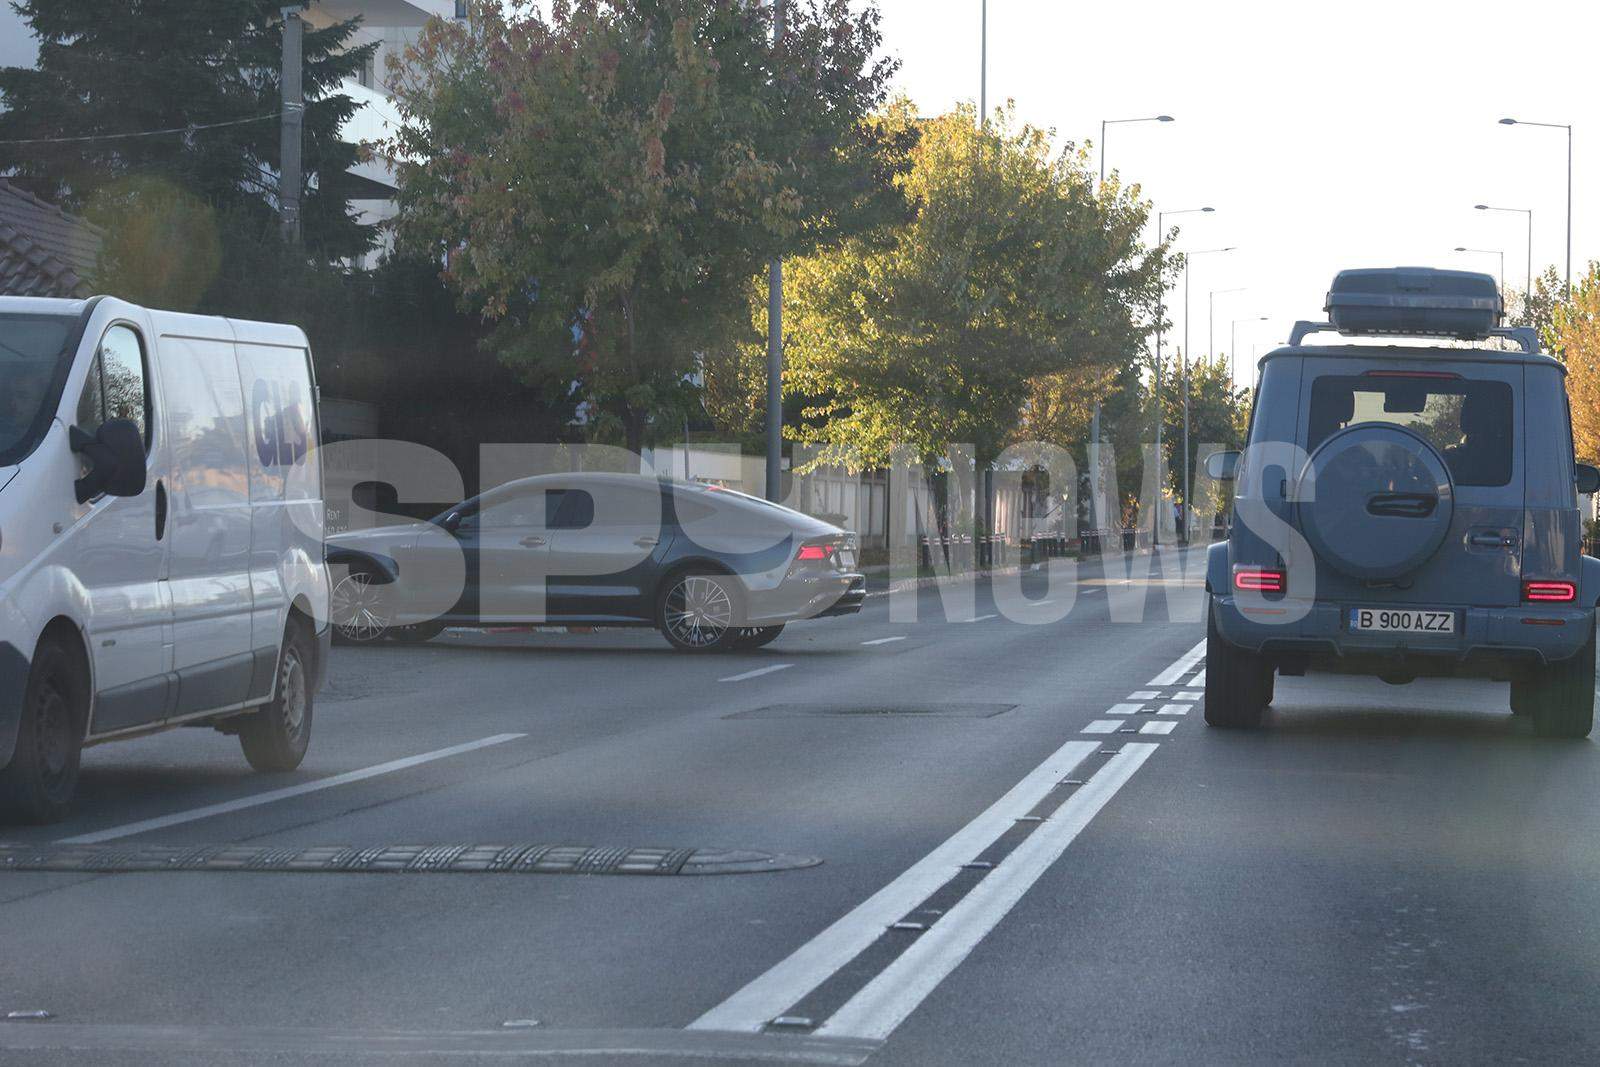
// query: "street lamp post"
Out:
[1490,252]
[1094,422]
[1527,293]
[1118,122]
[1161,292]
[1184,358]
[1233,349]
[1211,321]
[775,334]
[1568,128]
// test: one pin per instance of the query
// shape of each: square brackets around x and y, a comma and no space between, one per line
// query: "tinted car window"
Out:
[570,509]
[1468,422]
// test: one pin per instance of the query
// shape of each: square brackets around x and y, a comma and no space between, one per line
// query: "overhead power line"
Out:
[186,130]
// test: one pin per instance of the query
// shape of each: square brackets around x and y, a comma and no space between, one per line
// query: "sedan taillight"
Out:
[815,553]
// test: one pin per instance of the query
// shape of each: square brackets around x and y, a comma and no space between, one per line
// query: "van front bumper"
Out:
[13,690]
[1485,639]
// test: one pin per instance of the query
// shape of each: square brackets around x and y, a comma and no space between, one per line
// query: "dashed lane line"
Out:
[757,673]
[885,1002]
[1174,709]
[274,795]
[884,640]
[1102,726]
[1182,667]
[1125,709]
[1162,726]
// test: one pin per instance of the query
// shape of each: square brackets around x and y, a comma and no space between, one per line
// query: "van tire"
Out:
[1238,683]
[1564,695]
[275,737]
[37,785]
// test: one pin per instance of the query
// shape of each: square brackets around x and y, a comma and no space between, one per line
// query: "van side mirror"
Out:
[116,460]
[1220,466]
[1588,478]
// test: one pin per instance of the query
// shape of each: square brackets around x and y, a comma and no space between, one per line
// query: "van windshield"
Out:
[33,355]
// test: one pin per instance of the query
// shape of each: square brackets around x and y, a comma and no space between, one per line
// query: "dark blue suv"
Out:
[1409,509]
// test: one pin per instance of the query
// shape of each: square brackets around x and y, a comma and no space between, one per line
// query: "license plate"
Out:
[847,559]
[1402,621]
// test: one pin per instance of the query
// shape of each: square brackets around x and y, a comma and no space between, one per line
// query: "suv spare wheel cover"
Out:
[1381,504]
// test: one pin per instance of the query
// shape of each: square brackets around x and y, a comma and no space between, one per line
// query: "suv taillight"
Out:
[1549,592]
[1260,579]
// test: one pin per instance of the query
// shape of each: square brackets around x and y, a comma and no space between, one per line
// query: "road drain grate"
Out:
[396,859]
[870,711]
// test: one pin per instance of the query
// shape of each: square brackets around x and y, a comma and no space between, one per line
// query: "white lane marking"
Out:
[884,640]
[1183,666]
[1102,726]
[1123,709]
[885,1002]
[1165,726]
[1174,709]
[758,672]
[1091,592]
[1143,694]
[980,618]
[1188,694]
[787,982]
[271,796]
[1199,679]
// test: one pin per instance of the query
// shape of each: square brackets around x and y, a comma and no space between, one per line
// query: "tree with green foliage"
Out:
[111,68]
[605,180]
[932,331]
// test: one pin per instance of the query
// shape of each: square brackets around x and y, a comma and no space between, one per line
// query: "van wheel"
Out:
[1563,697]
[1238,683]
[275,738]
[757,636]
[698,611]
[37,785]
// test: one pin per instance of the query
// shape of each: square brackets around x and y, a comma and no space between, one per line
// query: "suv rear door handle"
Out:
[533,541]
[1490,539]
[647,541]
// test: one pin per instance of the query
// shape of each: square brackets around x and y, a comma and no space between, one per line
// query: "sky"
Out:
[1326,136]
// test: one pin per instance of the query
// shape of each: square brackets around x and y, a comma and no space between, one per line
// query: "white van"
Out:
[161,559]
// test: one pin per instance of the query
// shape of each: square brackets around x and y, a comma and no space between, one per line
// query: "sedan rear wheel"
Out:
[697,612]
[757,636]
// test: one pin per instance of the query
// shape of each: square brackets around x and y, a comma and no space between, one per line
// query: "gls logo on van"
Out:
[282,434]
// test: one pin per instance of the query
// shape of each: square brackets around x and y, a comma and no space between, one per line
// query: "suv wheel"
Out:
[1563,695]
[37,785]
[1238,683]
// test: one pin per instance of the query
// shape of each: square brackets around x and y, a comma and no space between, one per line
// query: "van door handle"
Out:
[161,509]
[533,541]
[647,541]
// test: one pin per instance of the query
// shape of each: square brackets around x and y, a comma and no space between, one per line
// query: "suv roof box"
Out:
[1416,301]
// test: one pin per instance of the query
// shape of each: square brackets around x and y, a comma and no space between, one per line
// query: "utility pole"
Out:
[290,126]
[775,330]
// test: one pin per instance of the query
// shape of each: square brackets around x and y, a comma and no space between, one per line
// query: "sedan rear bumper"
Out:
[809,597]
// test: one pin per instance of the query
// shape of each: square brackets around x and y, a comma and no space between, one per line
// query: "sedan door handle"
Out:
[533,541]
[647,541]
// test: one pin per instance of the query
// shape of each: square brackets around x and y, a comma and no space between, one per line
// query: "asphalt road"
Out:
[1382,875]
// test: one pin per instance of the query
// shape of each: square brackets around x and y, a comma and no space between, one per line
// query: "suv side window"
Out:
[116,386]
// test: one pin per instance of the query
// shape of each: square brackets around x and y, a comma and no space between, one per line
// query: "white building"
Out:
[392,24]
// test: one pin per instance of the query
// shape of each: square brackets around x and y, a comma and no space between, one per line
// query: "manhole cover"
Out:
[873,710]
[397,859]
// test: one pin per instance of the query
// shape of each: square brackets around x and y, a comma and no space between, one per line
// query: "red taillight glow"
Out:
[815,553]
[1260,580]
[1550,592]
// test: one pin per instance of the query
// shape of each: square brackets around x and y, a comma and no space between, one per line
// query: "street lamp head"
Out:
[1208,210]
[1461,248]
[1508,122]
[1481,207]
[1165,118]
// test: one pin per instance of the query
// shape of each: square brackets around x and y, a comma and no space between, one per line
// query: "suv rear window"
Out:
[1469,422]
